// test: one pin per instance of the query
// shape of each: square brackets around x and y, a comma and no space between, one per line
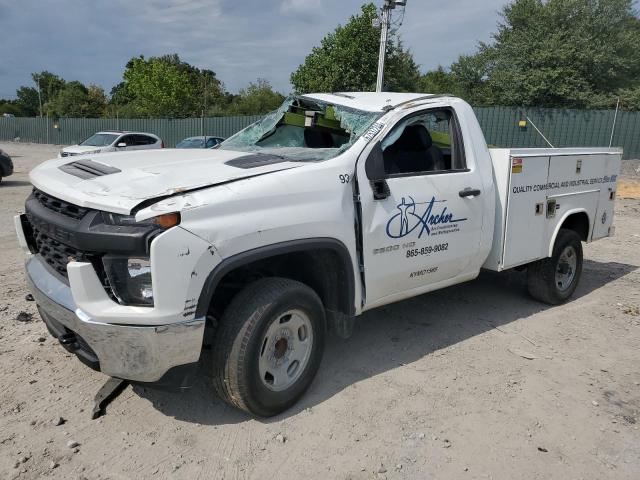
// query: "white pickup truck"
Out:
[333,205]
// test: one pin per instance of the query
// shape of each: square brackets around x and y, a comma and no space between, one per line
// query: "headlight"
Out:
[130,280]
[167,220]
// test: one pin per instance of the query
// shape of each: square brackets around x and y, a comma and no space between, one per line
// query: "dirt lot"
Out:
[434,387]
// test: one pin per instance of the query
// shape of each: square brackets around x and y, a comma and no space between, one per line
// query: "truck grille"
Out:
[61,232]
[56,254]
[59,206]
[49,240]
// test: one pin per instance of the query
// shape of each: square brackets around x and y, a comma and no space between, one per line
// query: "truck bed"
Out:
[537,189]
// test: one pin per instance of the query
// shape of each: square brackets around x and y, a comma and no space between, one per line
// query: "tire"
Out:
[553,280]
[269,324]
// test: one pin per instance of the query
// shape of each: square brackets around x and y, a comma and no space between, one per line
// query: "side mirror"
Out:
[121,145]
[374,167]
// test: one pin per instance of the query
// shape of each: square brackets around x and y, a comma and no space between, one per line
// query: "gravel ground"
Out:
[476,381]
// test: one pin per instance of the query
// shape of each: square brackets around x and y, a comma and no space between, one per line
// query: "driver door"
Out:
[421,218]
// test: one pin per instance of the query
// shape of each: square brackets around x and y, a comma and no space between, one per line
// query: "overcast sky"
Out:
[240,40]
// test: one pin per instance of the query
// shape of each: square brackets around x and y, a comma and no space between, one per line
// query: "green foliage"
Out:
[545,53]
[258,98]
[28,102]
[555,53]
[347,60]
[158,87]
[438,81]
[49,84]
[59,98]
[11,107]
[75,101]
[166,86]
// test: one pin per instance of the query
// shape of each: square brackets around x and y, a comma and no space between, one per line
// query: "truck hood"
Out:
[118,182]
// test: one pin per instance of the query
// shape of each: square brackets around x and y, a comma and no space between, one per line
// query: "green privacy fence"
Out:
[563,128]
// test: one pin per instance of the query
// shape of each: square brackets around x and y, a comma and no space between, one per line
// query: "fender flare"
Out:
[561,222]
[231,263]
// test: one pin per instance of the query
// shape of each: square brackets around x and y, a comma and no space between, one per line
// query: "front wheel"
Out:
[553,280]
[269,345]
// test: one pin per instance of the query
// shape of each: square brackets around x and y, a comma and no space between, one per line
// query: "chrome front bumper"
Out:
[136,353]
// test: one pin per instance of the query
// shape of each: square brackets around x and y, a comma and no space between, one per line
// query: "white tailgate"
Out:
[539,189]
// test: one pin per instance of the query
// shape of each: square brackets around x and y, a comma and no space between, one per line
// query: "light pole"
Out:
[39,96]
[384,37]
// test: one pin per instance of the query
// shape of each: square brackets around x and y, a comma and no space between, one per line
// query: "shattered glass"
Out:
[271,135]
[437,127]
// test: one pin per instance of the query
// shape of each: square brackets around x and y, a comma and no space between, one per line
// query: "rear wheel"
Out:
[268,346]
[553,280]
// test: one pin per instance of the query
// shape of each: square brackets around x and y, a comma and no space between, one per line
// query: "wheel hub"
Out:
[280,348]
[286,349]
[566,269]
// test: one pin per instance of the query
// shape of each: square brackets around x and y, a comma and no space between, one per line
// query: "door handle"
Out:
[469,192]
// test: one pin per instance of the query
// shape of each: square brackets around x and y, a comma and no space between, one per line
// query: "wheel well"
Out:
[327,269]
[579,223]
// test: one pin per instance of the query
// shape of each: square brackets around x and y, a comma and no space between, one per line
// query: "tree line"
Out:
[544,53]
[163,87]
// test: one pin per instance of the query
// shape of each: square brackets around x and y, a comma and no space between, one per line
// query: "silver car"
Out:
[112,141]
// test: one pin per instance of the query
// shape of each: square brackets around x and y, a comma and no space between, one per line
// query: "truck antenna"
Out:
[538,130]
[615,119]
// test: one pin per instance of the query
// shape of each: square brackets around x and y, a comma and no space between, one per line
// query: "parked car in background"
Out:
[6,165]
[200,142]
[111,141]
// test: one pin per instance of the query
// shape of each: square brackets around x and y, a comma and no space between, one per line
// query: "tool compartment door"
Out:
[603,220]
[584,183]
[526,222]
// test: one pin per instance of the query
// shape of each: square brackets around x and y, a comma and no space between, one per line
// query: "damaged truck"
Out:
[331,206]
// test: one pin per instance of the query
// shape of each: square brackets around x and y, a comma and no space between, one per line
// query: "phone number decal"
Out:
[417,252]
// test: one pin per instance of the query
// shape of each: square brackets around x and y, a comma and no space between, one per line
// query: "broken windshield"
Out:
[304,129]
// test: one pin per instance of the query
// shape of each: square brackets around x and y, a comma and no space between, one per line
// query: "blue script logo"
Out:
[407,220]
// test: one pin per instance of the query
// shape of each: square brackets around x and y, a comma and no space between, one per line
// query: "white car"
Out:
[102,142]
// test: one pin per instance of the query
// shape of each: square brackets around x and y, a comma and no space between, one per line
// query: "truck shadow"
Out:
[392,336]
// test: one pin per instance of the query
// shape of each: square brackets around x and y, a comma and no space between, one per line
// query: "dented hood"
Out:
[118,182]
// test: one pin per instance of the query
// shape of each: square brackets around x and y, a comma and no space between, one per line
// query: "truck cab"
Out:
[332,205]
